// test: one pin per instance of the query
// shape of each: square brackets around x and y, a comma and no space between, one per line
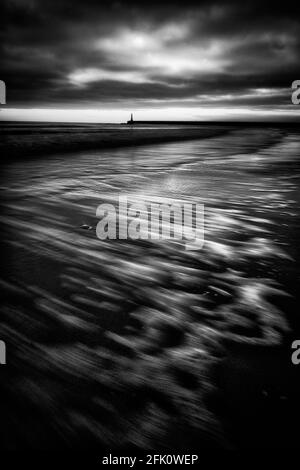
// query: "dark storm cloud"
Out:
[67,53]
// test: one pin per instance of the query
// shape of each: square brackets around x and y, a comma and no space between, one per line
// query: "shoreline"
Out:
[31,140]
[46,140]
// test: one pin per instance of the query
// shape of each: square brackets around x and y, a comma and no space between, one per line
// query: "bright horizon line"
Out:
[117,116]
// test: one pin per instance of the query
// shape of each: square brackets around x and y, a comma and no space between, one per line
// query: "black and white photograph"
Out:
[150,228]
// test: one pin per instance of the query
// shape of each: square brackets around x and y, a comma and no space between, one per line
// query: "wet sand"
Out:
[141,344]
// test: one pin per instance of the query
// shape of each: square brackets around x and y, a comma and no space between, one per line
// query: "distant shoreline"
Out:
[21,140]
[33,141]
[217,123]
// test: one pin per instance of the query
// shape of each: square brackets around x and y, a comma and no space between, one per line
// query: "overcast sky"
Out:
[94,60]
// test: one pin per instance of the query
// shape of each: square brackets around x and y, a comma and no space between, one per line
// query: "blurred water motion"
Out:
[141,343]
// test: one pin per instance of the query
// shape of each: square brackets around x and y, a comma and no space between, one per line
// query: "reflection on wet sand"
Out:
[141,343]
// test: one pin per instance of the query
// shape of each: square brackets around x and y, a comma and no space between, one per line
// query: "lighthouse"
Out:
[131,119]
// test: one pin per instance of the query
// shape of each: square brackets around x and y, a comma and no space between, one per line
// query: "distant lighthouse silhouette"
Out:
[131,119]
